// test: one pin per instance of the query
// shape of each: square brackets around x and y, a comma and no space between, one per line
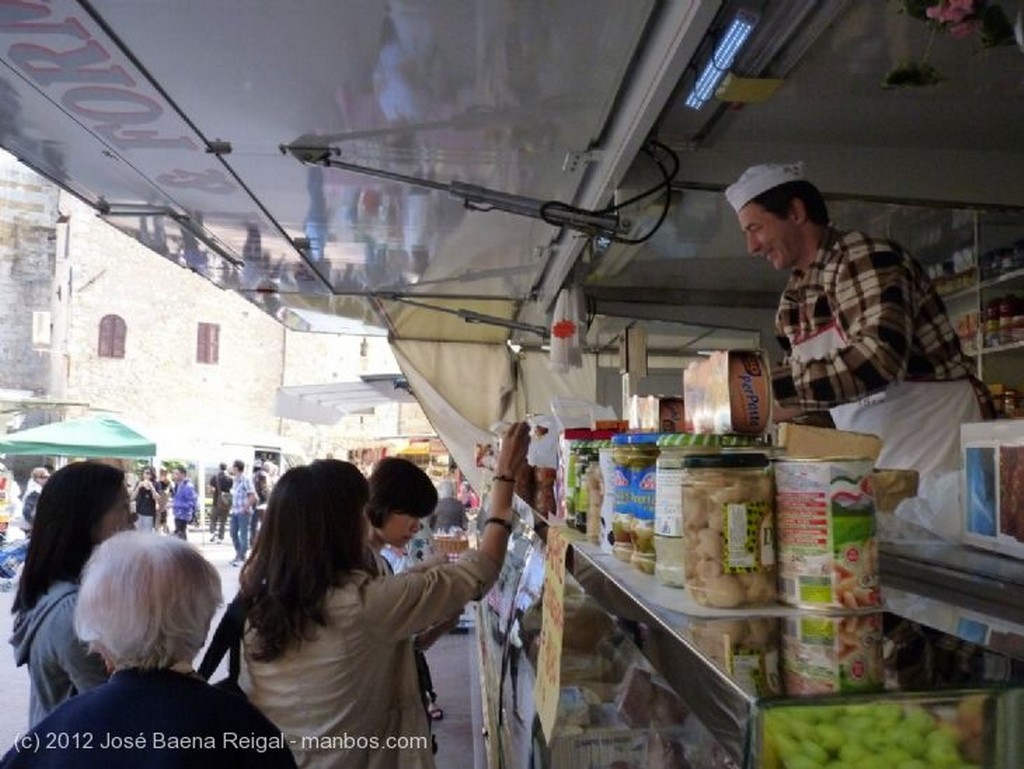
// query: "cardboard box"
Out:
[992,485]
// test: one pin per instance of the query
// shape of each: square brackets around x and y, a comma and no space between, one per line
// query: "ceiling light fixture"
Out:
[733,39]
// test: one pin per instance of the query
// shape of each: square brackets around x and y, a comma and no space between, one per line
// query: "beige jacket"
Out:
[345,696]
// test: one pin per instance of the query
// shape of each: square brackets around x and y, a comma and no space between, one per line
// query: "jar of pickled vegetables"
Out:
[669,545]
[635,456]
[729,530]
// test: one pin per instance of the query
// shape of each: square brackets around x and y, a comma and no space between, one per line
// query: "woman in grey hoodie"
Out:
[80,506]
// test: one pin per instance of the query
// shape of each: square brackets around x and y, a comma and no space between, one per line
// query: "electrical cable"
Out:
[665,184]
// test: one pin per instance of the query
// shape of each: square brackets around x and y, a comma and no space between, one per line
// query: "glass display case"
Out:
[645,683]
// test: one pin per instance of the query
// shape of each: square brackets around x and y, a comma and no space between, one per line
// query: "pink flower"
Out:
[950,12]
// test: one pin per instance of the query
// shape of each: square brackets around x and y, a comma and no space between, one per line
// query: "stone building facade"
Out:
[28,211]
[58,257]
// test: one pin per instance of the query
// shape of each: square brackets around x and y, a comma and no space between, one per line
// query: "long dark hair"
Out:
[70,505]
[313,533]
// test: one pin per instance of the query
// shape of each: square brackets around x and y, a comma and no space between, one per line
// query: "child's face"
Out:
[399,528]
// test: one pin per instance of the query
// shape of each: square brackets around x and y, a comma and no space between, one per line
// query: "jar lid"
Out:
[714,461]
[631,439]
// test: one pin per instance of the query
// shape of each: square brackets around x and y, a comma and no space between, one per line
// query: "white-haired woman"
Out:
[145,605]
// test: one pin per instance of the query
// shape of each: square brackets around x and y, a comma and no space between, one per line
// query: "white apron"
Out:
[918,422]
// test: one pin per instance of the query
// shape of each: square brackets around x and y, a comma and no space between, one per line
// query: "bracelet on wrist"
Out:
[507,525]
[505,478]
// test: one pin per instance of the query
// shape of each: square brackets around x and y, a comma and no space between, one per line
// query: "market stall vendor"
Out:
[863,331]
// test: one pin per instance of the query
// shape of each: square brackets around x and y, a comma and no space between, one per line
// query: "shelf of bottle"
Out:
[974,290]
[997,348]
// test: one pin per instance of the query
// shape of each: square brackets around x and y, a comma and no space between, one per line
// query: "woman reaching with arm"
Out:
[328,645]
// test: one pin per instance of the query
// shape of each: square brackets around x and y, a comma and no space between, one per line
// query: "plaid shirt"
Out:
[882,301]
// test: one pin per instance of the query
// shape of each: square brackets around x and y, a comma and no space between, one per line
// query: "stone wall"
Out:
[159,379]
[160,382]
[27,216]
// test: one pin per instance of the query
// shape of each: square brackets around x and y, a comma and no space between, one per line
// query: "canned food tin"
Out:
[832,654]
[827,548]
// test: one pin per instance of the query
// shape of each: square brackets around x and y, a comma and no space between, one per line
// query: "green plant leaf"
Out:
[912,74]
[995,27]
[916,8]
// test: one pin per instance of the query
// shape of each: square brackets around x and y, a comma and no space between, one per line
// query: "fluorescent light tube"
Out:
[736,34]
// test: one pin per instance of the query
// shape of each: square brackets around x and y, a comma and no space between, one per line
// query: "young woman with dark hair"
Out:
[328,645]
[402,498]
[81,505]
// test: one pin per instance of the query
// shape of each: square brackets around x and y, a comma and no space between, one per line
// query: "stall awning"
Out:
[326,404]
[90,437]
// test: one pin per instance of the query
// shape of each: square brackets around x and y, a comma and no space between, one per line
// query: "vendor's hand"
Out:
[513,450]
[785,413]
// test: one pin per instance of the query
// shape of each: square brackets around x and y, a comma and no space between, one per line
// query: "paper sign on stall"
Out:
[549,661]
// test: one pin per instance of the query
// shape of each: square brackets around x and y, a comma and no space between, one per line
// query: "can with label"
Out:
[827,544]
[824,654]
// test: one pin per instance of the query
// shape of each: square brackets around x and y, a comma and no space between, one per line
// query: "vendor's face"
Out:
[398,529]
[776,239]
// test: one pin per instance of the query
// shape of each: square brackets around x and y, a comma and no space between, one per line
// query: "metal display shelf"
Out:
[719,702]
[972,590]
[976,579]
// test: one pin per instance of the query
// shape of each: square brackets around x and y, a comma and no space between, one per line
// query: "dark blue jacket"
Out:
[154,719]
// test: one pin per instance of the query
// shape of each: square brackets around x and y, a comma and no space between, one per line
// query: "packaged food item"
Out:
[728,525]
[595,499]
[746,649]
[669,545]
[607,466]
[826,654]
[578,449]
[635,456]
[828,549]
[728,392]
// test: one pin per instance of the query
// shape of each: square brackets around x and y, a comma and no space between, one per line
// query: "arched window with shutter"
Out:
[112,334]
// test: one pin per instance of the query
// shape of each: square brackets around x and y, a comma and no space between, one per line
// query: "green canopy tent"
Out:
[101,436]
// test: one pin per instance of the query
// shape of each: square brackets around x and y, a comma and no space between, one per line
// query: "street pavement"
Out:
[452,661]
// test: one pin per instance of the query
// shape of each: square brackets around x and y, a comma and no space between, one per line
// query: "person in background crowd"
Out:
[468,497]
[166,486]
[36,480]
[145,607]
[81,505]
[865,334]
[449,513]
[220,490]
[184,504]
[261,485]
[243,500]
[326,631]
[145,495]
[401,496]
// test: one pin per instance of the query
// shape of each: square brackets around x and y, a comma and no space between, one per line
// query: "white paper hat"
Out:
[758,179]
